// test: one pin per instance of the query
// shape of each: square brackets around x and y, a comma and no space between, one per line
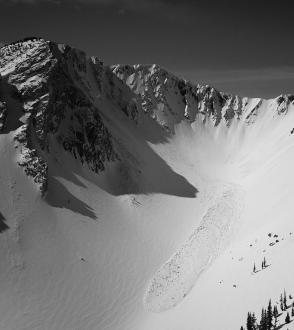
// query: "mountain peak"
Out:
[48,80]
[62,96]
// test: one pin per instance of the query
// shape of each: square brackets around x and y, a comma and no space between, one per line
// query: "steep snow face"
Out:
[150,185]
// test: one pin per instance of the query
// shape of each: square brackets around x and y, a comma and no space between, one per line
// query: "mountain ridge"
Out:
[48,77]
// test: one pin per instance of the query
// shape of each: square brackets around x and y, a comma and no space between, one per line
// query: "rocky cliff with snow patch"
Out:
[51,92]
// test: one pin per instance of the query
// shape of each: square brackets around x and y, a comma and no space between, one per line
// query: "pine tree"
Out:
[275,314]
[253,319]
[254,268]
[241,328]
[285,300]
[249,322]
[287,319]
[292,313]
[263,320]
[264,262]
[275,311]
[281,303]
[269,315]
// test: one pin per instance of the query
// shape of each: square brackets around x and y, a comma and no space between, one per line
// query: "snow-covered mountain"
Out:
[133,199]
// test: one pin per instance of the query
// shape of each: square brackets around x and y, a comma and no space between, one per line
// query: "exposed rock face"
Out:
[283,102]
[49,81]
[3,115]
[51,92]
[169,99]
[3,110]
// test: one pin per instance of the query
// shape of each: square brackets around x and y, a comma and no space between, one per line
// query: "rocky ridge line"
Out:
[61,93]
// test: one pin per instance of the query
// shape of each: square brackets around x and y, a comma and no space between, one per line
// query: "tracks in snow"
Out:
[177,276]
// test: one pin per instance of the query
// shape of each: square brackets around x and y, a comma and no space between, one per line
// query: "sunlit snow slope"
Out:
[135,200]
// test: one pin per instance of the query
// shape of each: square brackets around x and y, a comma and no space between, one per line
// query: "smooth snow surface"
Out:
[88,259]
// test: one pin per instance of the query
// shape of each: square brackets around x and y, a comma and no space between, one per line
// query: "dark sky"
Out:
[244,47]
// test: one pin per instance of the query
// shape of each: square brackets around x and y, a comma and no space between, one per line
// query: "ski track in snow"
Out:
[176,277]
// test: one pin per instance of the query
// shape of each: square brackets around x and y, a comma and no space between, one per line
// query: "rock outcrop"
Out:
[50,84]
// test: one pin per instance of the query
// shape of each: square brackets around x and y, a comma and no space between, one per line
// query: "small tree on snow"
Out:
[285,300]
[275,311]
[250,321]
[253,317]
[275,314]
[292,313]
[254,268]
[287,319]
[281,302]
[269,315]
[262,264]
[263,320]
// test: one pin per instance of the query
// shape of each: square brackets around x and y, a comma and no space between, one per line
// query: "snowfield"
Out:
[132,200]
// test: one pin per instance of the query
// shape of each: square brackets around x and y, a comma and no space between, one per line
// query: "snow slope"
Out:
[132,199]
